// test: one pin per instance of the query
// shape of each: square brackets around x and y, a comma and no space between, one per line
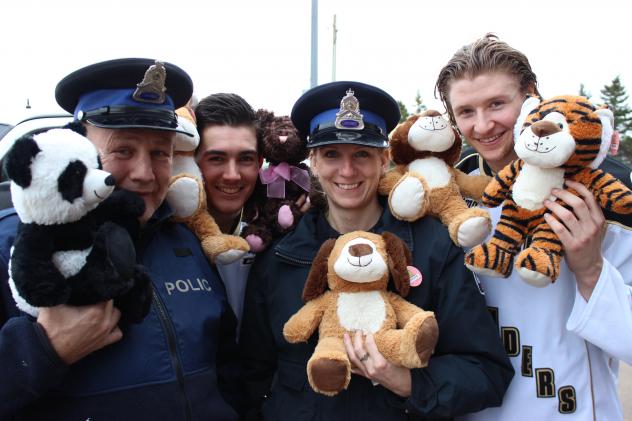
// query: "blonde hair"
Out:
[486,54]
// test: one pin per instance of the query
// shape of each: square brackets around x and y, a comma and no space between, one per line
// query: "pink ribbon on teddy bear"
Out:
[275,177]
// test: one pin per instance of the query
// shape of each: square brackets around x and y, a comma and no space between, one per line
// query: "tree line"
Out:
[615,97]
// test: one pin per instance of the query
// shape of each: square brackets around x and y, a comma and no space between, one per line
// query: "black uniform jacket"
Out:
[468,371]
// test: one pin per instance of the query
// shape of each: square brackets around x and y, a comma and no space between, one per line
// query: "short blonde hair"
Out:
[486,54]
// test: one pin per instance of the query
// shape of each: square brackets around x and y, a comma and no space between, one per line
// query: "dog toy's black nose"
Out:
[359,250]
[110,180]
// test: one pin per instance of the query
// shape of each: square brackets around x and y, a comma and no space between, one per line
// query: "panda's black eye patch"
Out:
[70,182]
[100,164]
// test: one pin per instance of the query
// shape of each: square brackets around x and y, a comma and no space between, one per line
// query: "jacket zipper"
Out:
[292,259]
[171,342]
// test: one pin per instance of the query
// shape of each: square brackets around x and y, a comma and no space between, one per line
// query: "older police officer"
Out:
[76,362]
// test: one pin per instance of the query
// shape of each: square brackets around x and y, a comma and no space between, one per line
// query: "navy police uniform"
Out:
[469,370]
[180,361]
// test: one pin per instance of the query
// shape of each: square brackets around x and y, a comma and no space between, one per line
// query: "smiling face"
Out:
[139,160]
[229,162]
[485,109]
[349,174]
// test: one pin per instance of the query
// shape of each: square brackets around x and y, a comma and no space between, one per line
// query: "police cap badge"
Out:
[345,112]
[126,93]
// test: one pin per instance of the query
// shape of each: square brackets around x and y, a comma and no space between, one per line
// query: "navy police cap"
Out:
[126,93]
[345,112]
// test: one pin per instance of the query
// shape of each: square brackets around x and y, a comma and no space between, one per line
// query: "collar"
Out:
[471,160]
[162,215]
[484,167]
[239,224]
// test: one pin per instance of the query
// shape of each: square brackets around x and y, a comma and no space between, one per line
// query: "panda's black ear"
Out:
[76,127]
[17,162]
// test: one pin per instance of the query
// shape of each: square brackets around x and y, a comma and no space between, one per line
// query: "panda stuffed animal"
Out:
[67,250]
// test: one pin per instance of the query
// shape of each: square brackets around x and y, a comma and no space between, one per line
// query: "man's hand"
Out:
[369,362]
[581,233]
[76,332]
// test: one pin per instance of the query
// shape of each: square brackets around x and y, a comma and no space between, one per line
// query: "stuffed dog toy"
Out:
[425,148]
[564,138]
[356,268]
[187,197]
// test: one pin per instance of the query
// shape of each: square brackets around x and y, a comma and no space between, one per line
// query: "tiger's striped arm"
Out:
[498,189]
[609,192]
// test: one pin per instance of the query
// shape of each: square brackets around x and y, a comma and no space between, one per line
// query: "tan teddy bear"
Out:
[356,267]
[187,197]
[425,149]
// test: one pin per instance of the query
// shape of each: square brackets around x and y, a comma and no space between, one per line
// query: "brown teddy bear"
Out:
[283,181]
[356,267]
[187,198]
[425,148]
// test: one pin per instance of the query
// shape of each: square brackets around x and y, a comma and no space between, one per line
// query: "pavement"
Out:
[625,390]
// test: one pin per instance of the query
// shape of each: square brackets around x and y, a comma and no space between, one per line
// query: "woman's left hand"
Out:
[581,232]
[368,362]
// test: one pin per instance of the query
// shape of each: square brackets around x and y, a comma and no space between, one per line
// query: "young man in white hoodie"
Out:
[565,340]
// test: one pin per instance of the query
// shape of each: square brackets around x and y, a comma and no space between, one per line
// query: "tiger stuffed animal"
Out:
[563,138]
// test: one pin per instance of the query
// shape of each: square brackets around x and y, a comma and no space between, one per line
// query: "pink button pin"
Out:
[415,276]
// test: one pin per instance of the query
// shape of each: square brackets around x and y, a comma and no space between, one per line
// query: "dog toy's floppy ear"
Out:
[317,279]
[399,257]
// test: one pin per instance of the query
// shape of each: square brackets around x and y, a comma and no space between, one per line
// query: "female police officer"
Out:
[469,369]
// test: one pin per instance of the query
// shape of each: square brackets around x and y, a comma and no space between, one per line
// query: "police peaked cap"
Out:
[126,93]
[326,115]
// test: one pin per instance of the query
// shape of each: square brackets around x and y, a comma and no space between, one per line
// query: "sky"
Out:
[261,49]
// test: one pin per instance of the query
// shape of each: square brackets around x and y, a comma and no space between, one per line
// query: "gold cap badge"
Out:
[152,88]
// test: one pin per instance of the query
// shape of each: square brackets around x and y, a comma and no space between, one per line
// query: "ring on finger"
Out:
[364,357]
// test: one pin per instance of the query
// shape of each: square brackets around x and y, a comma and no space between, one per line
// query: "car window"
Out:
[30,126]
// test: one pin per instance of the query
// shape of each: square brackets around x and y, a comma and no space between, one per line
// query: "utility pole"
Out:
[333,58]
[28,104]
[314,67]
